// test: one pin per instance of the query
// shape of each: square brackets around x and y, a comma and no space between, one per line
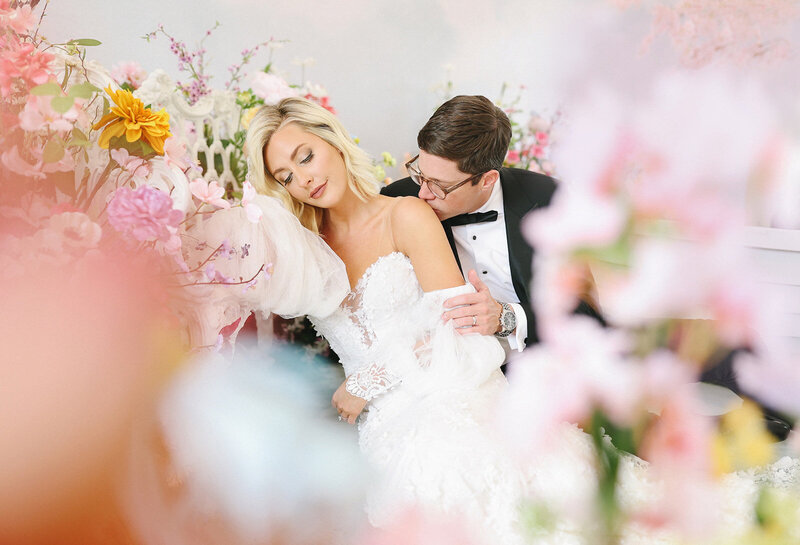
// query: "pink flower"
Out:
[538,124]
[38,169]
[542,138]
[130,72]
[773,377]
[22,62]
[210,193]
[576,219]
[175,153]
[147,214]
[132,163]
[20,19]
[271,88]
[253,211]
[414,527]
[536,151]
[512,157]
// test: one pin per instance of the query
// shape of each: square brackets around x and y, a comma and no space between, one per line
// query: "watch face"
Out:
[509,318]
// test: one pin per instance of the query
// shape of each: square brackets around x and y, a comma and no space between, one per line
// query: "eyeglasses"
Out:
[433,185]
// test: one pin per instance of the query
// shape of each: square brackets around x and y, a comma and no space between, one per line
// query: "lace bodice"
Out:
[385,331]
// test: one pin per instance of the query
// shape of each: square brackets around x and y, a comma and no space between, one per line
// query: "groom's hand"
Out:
[346,404]
[480,305]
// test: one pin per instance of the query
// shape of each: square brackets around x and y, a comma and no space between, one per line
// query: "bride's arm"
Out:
[417,233]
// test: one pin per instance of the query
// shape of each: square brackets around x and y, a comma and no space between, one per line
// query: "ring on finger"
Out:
[474,320]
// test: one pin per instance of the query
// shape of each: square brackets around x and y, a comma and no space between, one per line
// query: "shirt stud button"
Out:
[474,237]
[485,272]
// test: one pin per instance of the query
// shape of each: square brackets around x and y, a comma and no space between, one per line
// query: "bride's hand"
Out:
[346,404]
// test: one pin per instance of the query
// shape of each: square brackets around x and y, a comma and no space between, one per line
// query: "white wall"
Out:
[379,59]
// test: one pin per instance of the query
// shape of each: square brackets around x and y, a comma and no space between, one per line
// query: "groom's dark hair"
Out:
[470,130]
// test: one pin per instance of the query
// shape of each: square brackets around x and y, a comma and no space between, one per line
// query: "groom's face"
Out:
[462,200]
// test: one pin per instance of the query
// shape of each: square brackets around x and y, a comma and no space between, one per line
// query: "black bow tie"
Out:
[475,217]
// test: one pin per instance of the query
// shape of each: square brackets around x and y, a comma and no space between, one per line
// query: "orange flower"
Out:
[130,117]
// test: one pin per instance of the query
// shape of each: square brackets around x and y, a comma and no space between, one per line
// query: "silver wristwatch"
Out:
[508,320]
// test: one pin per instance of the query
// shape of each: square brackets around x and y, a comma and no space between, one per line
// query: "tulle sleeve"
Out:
[445,356]
[425,354]
[291,270]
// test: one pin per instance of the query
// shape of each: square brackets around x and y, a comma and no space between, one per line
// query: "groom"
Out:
[459,173]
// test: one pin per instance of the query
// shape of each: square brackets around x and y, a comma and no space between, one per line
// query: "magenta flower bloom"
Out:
[146,213]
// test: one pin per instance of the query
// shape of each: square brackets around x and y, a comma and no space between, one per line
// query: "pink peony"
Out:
[271,88]
[542,138]
[210,193]
[147,214]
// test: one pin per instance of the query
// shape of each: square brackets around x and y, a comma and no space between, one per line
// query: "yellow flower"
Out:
[248,116]
[130,117]
[743,440]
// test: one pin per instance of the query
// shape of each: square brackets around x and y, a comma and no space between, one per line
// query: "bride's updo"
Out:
[315,119]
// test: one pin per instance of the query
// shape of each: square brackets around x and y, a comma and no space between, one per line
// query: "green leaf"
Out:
[78,138]
[53,151]
[62,104]
[84,41]
[82,90]
[46,89]
[106,106]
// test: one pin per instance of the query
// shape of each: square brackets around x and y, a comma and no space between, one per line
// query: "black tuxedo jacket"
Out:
[523,191]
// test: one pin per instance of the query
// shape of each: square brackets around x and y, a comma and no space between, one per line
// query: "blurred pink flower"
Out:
[575,219]
[678,447]
[512,157]
[538,124]
[130,72]
[147,214]
[38,115]
[19,19]
[542,138]
[12,159]
[414,527]
[78,232]
[562,381]
[271,88]
[253,211]
[23,62]
[132,163]
[175,153]
[773,377]
[210,193]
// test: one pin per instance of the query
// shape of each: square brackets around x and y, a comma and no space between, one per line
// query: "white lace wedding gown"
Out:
[430,393]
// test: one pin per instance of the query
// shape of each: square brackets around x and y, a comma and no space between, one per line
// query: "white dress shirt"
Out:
[484,247]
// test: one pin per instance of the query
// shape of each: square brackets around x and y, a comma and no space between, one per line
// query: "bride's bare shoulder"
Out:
[412,213]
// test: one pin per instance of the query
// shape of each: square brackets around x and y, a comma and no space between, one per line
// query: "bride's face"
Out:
[311,170]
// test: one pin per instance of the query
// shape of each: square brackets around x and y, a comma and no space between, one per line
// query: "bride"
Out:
[419,392]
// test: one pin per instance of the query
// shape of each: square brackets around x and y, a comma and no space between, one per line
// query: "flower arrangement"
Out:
[530,143]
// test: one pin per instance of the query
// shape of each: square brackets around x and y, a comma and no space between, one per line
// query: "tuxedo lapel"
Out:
[515,206]
[449,232]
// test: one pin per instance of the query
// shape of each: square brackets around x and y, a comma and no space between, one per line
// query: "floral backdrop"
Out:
[112,271]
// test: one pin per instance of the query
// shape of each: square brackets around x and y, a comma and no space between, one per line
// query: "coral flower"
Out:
[131,118]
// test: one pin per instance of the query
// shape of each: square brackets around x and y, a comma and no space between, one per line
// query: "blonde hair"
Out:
[318,121]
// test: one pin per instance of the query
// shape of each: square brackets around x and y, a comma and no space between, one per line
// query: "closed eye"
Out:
[307,158]
[288,179]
